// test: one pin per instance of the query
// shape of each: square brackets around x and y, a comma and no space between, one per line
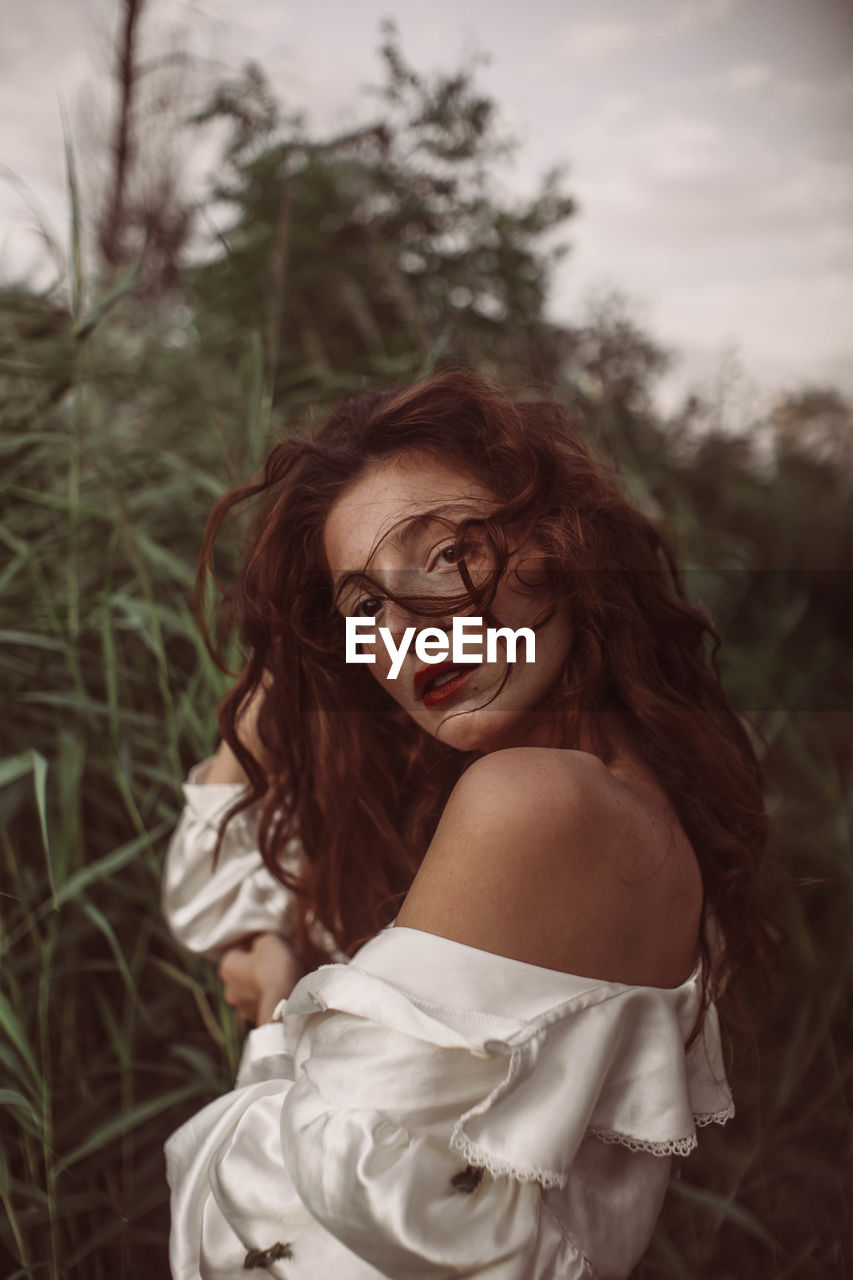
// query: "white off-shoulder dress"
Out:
[430,1110]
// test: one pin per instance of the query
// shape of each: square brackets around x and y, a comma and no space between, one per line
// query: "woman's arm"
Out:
[344,1168]
[236,912]
[258,973]
[226,768]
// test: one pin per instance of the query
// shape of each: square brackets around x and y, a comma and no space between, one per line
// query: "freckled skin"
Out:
[407,484]
[609,886]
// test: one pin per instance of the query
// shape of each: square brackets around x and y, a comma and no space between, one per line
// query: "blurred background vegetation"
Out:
[151,377]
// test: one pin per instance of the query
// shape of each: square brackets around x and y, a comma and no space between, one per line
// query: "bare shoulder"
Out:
[525,789]
[538,768]
[543,856]
[547,804]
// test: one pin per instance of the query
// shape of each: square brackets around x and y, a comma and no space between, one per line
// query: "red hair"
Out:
[363,786]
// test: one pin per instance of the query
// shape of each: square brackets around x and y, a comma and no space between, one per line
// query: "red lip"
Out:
[447,691]
[427,673]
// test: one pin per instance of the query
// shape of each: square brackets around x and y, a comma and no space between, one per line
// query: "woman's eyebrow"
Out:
[413,528]
[346,582]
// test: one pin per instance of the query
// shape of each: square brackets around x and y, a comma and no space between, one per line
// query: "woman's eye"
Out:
[447,555]
[368,607]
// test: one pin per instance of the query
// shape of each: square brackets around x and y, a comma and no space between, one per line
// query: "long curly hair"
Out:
[360,784]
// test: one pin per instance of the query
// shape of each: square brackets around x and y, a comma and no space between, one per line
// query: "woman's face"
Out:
[369,527]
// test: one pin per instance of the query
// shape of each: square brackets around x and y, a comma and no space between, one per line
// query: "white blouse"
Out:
[430,1110]
[209,908]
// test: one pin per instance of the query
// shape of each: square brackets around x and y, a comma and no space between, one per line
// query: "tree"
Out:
[375,253]
[816,423]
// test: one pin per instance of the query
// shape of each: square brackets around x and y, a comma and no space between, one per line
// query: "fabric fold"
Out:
[607,1060]
[432,1110]
[210,907]
[614,1070]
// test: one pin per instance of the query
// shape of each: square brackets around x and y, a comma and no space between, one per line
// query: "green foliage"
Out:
[109,1035]
[122,419]
[370,254]
[768,552]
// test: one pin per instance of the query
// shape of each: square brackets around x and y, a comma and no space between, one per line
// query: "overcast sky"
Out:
[707,142]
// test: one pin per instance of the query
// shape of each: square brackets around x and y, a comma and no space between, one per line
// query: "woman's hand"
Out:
[259,972]
[226,767]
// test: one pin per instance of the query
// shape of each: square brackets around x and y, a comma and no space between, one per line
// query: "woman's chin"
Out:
[476,730]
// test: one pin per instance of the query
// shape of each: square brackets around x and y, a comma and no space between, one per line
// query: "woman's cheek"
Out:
[381,671]
[380,668]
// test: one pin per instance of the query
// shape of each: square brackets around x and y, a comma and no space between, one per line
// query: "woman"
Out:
[543,871]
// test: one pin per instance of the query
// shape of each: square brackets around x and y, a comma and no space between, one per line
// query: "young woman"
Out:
[533,873]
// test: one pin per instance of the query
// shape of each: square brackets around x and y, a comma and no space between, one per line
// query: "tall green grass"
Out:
[118,432]
[111,1035]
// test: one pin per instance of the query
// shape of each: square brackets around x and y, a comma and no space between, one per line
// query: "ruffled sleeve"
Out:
[208,907]
[425,1101]
[606,1060]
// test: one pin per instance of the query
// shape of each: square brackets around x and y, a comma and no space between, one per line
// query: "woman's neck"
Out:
[546,727]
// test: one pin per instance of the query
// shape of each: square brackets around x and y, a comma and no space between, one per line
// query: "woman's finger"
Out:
[237,965]
[268,1000]
[245,1004]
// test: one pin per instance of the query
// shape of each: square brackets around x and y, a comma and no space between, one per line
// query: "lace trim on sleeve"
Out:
[476,1155]
[671,1147]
